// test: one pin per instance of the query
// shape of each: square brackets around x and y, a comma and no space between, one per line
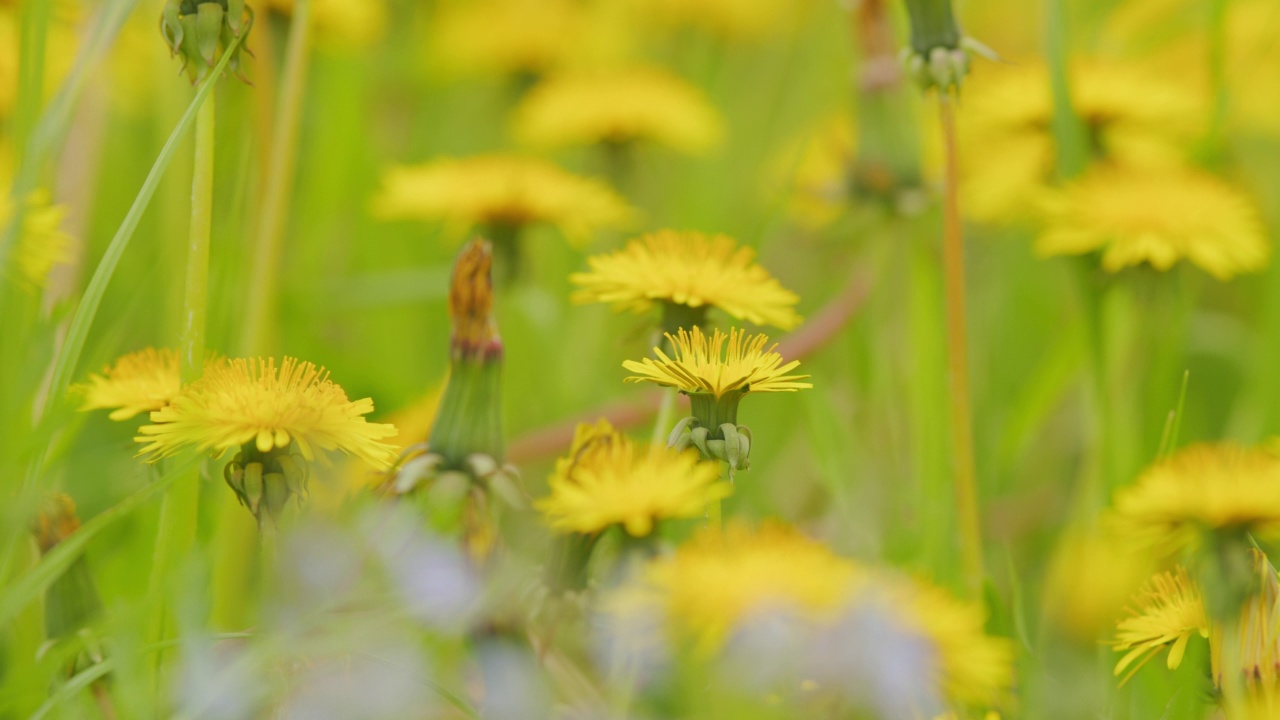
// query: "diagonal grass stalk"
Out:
[966,490]
[179,511]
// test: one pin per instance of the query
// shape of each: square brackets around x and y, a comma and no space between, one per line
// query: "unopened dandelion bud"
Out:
[939,54]
[470,419]
[200,31]
[71,602]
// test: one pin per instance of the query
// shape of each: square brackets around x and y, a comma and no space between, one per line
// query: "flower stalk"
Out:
[966,490]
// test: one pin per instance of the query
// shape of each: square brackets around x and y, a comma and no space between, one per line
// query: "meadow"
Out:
[749,359]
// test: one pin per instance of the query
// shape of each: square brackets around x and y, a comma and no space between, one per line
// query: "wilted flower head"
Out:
[1201,489]
[617,106]
[607,479]
[138,382]
[255,402]
[689,269]
[1156,218]
[500,190]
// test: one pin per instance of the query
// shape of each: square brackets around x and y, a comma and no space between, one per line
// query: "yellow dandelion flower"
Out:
[1135,117]
[719,365]
[1156,218]
[731,19]
[1258,634]
[718,580]
[690,269]
[41,242]
[139,382]
[812,172]
[505,36]
[254,401]
[617,106]
[500,190]
[1201,488]
[973,668]
[608,479]
[1167,613]
[342,23]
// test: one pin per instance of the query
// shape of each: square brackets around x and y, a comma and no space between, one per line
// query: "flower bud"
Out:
[72,603]
[201,30]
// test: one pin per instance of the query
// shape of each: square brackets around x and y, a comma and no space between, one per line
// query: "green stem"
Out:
[966,489]
[1218,78]
[260,319]
[179,511]
[31,67]
[667,410]
[1069,133]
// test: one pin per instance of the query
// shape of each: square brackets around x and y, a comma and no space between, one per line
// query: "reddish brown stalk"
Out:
[958,359]
[630,413]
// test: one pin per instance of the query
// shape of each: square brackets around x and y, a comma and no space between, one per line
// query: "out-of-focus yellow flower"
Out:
[138,382]
[342,23]
[1085,612]
[1134,118]
[1258,639]
[500,190]
[719,365]
[718,580]
[1158,218]
[617,106]
[1175,32]
[973,668]
[1166,614]
[731,19]
[40,243]
[691,269]
[255,402]
[9,47]
[1202,488]
[607,479]
[529,37]
[813,172]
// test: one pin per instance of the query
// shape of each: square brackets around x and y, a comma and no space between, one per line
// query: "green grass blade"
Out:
[69,354]
[68,690]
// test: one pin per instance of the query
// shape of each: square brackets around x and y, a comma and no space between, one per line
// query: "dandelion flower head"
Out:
[617,106]
[1166,613]
[719,364]
[1133,117]
[1156,218]
[688,268]
[500,190]
[525,36]
[1201,488]
[241,401]
[608,479]
[717,580]
[139,382]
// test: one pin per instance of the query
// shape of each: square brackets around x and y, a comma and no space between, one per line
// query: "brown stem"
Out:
[629,413]
[958,360]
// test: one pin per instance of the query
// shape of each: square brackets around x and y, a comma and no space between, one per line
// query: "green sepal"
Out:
[208,30]
[235,16]
[253,488]
[275,490]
